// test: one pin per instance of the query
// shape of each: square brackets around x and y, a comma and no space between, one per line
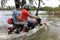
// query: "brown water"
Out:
[53,27]
[53,31]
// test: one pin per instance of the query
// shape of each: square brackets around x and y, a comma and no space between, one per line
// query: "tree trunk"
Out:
[17,1]
[23,2]
[38,8]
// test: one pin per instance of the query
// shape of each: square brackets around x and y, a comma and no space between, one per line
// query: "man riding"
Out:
[21,19]
[26,14]
[16,18]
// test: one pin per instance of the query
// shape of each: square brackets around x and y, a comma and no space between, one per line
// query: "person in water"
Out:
[21,18]
[16,19]
[25,14]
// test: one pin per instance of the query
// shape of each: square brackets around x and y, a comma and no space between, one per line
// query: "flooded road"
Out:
[53,31]
[53,24]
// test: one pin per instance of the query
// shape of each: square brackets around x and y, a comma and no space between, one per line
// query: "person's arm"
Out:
[18,17]
[29,14]
[32,16]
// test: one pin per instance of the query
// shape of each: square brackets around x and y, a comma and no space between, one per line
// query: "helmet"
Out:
[26,6]
[10,21]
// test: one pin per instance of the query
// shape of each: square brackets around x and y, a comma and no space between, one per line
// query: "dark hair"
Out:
[17,5]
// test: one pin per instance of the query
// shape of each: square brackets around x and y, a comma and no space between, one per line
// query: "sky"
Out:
[0,2]
[51,3]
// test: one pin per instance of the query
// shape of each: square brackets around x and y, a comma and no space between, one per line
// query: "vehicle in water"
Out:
[23,31]
[39,23]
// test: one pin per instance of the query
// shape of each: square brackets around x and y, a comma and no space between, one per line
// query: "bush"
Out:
[46,8]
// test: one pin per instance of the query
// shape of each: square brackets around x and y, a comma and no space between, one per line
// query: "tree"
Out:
[17,1]
[38,8]
[3,2]
[31,2]
[59,5]
[23,2]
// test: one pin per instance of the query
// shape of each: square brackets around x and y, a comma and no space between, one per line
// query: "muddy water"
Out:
[53,24]
[53,31]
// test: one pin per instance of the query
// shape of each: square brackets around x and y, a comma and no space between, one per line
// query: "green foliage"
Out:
[57,8]
[32,8]
[59,5]
[46,8]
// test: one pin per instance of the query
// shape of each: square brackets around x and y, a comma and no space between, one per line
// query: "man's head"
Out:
[17,5]
[26,7]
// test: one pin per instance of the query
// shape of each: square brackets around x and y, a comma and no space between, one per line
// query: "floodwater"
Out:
[53,25]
